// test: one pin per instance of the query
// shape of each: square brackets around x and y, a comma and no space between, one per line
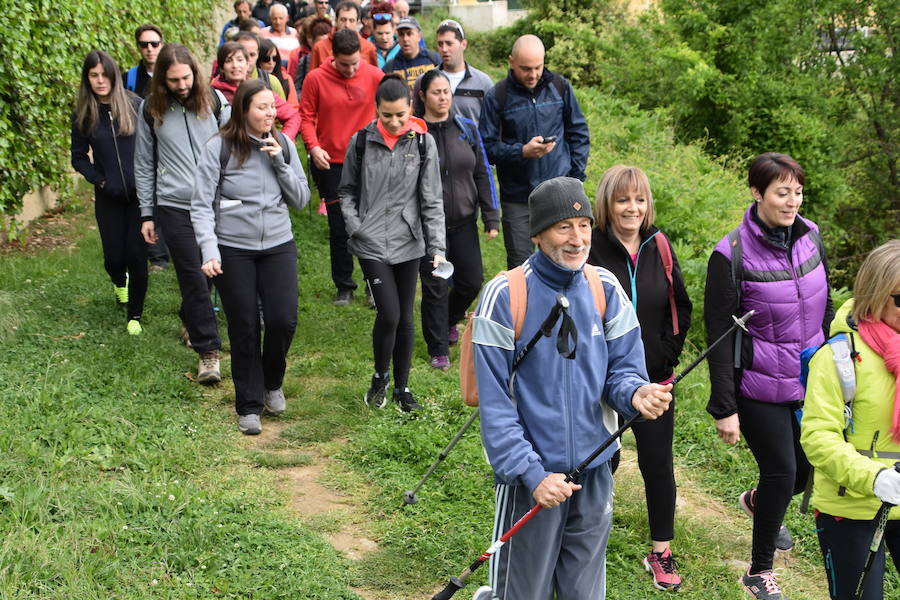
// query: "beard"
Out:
[558,255]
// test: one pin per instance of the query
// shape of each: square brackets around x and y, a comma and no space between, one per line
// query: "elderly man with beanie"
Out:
[542,423]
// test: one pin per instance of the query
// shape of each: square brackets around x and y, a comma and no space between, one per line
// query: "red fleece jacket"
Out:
[286,114]
[333,108]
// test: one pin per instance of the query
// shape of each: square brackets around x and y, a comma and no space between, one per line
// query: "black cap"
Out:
[556,200]
[408,23]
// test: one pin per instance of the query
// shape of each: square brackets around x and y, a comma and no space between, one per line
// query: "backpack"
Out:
[518,307]
[131,79]
[665,253]
[361,137]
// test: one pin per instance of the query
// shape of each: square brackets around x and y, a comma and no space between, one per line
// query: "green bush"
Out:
[43,46]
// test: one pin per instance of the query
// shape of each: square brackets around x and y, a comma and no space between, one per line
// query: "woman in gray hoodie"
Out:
[246,178]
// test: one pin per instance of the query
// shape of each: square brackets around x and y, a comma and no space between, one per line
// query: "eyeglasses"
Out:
[155,44]
[896,298]
[270,58]
[383,17]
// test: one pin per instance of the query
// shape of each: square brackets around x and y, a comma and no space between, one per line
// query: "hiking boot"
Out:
[376,397]
[274,402]
[208,369]
[664,569]
[453,335]
[762,585]
[406,401]
[441,362]
[343,297]
[185,337]
[249,424]
[134,327]
[783,541]
[121,294]
[483,593]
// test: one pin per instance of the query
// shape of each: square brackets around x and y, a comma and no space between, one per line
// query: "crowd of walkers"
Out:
[400,141]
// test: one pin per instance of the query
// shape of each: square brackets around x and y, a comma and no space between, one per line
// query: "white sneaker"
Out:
[275,402]
[483,593]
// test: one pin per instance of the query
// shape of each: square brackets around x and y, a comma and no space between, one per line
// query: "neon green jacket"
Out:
[838,464]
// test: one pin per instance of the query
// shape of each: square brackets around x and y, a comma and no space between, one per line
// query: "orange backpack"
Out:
[518,305]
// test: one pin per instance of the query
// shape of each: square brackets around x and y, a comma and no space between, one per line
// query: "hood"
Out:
[843,321]
[418,125]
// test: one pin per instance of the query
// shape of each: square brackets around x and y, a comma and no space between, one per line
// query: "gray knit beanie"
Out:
[555,200]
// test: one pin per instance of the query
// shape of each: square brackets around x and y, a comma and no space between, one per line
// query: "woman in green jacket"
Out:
[854,452]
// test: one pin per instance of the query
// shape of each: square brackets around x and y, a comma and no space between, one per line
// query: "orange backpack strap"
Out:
[518,297]
[593,279]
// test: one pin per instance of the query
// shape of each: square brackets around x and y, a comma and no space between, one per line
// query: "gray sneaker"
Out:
[343,297]
[208,369]
[483,593]
[249,424]
[275,402]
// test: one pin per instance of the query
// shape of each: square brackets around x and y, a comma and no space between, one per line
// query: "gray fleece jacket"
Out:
[388,219]
[253,205]
[179,142]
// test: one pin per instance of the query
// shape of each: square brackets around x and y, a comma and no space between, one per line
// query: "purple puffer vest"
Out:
[789,294]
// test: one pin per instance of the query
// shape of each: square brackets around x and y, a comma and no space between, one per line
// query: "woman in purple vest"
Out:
[772,263]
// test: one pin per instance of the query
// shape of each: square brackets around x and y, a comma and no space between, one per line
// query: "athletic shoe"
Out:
[274,402]
[762,586]
[208,369]
[376,397]
[783,541]
[134,327]
[121,294]
[664,569]
[453,335]
[483,593]
[406,401]
[249,424]
[156,267]
[442,362]
[185,337]
[343,297]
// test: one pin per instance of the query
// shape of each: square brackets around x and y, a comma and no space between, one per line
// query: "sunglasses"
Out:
[154,44]
[383,16]
[271,58]
[896,298]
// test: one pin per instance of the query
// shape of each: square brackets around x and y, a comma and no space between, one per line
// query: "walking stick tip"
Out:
[409,497]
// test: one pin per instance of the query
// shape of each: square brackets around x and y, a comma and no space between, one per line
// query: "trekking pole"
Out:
[457,583]
[881,519]
[562,303]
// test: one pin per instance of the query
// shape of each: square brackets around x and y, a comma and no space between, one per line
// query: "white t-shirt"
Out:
[454,78]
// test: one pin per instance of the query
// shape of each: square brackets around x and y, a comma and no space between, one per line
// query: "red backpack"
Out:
[665,253]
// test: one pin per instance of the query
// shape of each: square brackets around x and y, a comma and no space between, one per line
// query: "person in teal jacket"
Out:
[854,456]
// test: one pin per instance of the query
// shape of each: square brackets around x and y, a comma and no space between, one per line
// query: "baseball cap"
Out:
[408,23]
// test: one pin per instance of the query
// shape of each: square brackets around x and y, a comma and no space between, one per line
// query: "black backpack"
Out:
[361,137]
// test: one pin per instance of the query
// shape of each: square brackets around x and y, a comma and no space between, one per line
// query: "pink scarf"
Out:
[886,343]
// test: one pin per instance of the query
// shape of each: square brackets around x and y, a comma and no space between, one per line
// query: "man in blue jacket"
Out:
[557,410]
[533,130]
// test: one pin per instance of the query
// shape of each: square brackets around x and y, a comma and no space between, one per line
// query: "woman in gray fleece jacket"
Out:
[240,218]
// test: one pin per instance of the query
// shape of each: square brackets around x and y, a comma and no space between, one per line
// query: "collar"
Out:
[782,237]
[466,72]
[542,82]
[554,275]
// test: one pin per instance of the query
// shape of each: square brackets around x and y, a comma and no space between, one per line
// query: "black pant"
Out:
[654,453]
[516,232]
[196,309]
[271,276]
[327,181]
[442,308]
[124,250]
[393,335]
[845,547]
[773,434]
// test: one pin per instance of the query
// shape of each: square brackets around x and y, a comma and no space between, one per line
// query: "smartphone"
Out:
[548,140]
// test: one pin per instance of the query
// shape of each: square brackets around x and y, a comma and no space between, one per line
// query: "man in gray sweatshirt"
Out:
[177,118]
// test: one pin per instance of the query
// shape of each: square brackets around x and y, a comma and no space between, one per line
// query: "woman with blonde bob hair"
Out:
[853,439]
[626,242]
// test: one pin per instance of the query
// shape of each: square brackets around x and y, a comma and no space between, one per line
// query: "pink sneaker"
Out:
[664,569]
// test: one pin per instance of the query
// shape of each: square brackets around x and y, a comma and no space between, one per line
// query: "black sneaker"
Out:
[783,541]
[343,297]
[406,401]
[376,396]
[762,585]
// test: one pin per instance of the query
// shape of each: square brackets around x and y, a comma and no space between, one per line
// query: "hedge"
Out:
[43,45]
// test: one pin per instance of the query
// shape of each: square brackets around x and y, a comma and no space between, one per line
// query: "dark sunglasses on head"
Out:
[383,17]
[896,298]
[155,44]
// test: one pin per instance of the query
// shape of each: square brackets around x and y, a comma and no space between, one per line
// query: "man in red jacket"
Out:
[347,18]
[338,100]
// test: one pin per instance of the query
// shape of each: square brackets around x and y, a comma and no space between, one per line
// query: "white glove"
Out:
[887,486]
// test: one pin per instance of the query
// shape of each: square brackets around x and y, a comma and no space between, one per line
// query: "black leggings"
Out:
[124,250]
[654,453]
[393,335]
[845,547]
[773,434]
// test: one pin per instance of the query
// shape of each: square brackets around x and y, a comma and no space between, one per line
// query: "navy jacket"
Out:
[527,113]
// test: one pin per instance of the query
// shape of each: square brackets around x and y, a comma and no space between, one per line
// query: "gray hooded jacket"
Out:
[253,204]
[387,218]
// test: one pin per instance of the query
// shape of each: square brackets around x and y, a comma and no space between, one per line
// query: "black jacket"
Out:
[465,175]
[112,159]
[648,281]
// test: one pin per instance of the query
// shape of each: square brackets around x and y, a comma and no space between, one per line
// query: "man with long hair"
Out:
[176,119]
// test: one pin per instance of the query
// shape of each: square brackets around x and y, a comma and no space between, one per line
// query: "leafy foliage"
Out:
[43,46]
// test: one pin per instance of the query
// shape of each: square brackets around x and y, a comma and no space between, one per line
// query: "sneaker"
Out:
[762,586]
[783,541]
[185,337]
[121,294]
[274,402]
[441,362]
[343,297]
[156,267]
[134,327]
[249,424]
[664,569]
[376,396]
[483,593]
[208,369]
[406,401]
[453,335]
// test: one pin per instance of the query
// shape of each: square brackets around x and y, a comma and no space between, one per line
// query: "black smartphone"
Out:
[548,140]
